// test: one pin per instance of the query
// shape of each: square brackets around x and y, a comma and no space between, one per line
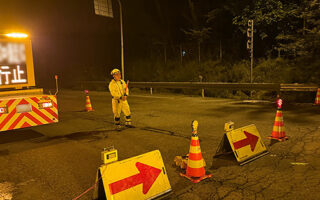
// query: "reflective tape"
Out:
[195,163]
[194,149]
[33,117]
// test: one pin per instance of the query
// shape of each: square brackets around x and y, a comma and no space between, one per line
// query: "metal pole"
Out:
[202,90]
[57,86]
[251,71]
[121,29]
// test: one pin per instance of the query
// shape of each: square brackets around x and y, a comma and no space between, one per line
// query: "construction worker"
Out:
[119,93]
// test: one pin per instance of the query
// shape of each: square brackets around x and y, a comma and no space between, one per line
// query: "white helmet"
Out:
[114,71]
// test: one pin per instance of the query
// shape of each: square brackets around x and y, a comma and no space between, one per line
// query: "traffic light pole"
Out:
[251,69]
[250,46]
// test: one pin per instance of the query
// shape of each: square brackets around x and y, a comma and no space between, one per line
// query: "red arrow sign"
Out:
[146,177]
[250,140]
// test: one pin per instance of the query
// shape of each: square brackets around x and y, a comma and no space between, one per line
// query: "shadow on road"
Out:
[18,135]
[272,142]
[84,135]
[36,137]
[223,160]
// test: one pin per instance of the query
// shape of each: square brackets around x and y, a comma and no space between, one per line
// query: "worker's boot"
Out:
[118,127]
[128,124]
[117,123]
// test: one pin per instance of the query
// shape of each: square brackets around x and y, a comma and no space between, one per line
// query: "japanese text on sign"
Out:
[12,53]
[13,74]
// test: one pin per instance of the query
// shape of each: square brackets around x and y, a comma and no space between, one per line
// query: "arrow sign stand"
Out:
[141,177]
[245,143]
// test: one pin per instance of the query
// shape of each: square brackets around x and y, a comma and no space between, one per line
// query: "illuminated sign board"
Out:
[12,52]
[16,64]
[13,74]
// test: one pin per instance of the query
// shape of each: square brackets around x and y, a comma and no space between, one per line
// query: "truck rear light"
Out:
[23,108]
[3,110]
[45,105]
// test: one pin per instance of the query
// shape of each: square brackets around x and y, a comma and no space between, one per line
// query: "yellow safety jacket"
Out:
[117,89]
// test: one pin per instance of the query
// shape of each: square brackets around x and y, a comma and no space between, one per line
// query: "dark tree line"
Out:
[288,28]
[286,41]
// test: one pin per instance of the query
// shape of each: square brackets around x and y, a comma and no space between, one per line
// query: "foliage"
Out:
[293,26]
[265,71]
[198,34]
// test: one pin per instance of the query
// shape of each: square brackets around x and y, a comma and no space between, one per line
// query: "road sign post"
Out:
[141,177]
[245,143]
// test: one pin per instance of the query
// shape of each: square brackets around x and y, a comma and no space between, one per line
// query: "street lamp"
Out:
[104,8]
[121,30]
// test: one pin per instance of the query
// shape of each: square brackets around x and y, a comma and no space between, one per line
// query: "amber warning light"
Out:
[16,35]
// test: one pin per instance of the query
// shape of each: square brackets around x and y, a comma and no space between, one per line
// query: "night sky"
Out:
[68,36]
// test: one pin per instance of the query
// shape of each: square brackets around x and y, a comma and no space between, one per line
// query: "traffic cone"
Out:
[278,132]
[317,101]
[88,102]
[195,167]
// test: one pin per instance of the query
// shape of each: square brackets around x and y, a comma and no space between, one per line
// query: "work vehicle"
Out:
[21,103]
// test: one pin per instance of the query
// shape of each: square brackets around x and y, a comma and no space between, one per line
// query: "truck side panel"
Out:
[28,111]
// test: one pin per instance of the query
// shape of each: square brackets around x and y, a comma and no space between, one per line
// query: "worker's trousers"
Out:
[119,106]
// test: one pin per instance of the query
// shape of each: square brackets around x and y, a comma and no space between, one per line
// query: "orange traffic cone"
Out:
[317,101]
[278,132]
[88,102]
[195,165]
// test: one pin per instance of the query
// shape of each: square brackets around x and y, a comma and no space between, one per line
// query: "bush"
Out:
[265,71]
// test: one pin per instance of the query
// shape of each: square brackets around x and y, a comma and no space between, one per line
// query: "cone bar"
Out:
[195,167]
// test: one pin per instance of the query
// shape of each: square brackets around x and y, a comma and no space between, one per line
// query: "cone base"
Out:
[279,139]
[196,179]
[89,110]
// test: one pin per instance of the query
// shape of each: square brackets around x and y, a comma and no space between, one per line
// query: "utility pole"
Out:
[250,46]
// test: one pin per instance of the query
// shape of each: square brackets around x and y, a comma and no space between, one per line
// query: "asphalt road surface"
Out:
[59,161]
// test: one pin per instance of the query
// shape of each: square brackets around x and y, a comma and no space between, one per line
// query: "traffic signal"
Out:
[250,35]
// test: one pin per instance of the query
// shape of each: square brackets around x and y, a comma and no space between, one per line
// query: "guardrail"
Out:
[207,85]
[298,87]
[216,85]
